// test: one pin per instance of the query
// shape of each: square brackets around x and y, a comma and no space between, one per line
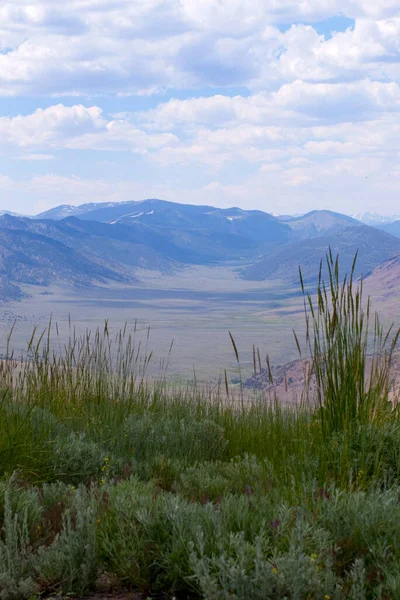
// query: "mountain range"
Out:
[105,210]
[375,219]
[211,233]
[99,243]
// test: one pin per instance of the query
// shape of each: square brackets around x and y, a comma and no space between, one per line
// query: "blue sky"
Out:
[282,105]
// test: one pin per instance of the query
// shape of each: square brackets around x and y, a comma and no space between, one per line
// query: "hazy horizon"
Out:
[274,214]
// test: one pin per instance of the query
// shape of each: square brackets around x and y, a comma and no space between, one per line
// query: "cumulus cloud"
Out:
[299,160]
[371,49]
[298,102]
[48,127]
[300,122]
[76,127]
[316,114]
[92,47]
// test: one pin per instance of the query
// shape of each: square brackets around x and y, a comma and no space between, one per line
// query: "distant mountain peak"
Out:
[9,213]
[374,218]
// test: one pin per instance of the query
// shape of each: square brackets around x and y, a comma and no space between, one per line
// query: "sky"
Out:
[280,105]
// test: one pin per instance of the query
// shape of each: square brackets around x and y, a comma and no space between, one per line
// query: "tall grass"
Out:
[350,357]
[95,364]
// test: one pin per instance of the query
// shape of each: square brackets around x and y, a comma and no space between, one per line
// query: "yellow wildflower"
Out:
[106,465]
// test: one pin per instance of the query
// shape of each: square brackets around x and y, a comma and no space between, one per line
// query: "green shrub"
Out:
[242,571]
[125,546]
[74,458]
[16,581]
[70,563]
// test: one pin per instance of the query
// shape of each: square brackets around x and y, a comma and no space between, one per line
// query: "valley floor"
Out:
[195,309]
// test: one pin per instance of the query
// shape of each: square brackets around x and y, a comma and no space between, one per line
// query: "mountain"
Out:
[319,223]
[123,247]
[97,243]
[68,210]
[385,278]
[8,212]
[39,252]
[212,234]
[393,228]
[27,257]
[374,219]
[102,242]
[117,247]
[8,290]
[287,218]
[373,246]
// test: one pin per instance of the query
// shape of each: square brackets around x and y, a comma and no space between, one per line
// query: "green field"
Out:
[113,482]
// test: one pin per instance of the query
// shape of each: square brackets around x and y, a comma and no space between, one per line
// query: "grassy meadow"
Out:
[111,481]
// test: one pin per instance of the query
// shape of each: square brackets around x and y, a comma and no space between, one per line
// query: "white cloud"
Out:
[125,46]
[76,127]
[299,101]
[371,49]
[320,111]
[121,135]
[299,122]
[47,127]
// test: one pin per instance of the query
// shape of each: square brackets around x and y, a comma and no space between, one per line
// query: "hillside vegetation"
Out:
[108,480]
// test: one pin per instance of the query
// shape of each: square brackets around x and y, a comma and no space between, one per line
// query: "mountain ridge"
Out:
[105,242]
[373,247]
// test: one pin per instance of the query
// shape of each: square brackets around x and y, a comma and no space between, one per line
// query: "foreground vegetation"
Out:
[110,480]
